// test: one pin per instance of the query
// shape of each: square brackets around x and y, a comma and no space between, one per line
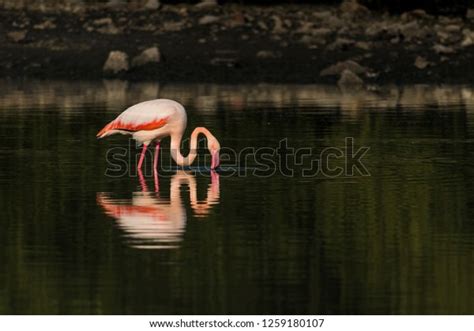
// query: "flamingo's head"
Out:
[214,148]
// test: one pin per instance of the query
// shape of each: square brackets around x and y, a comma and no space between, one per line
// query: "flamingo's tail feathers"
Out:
[117,126]
[106,130]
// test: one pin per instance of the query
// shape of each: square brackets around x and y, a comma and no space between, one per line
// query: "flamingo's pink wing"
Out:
[148,115]
[117,124]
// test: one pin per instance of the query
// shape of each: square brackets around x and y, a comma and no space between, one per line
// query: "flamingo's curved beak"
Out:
[215,161]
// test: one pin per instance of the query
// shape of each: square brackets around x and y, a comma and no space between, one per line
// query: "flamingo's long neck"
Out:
[176,146]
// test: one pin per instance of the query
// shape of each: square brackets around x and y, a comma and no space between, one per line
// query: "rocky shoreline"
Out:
[348,45]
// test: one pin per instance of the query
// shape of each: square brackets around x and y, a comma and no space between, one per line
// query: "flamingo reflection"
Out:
[152,222]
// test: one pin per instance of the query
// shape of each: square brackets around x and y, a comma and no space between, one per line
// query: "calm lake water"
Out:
[396,241]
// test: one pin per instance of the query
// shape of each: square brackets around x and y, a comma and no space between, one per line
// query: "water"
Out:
[398,241]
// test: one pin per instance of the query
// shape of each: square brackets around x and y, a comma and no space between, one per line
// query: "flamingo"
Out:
[153,120]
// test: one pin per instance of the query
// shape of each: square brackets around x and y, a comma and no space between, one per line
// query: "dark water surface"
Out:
[400,241]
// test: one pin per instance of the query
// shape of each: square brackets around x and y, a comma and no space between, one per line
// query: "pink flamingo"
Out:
[156,119]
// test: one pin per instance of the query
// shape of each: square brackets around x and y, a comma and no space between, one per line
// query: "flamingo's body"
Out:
[156,119]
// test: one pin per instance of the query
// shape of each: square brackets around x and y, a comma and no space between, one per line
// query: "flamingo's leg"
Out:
[157,151]
[142,156]
[155,177]
[155,166]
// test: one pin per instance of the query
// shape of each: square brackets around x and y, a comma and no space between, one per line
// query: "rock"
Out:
[224,61]
[116,3]
[17,36]
[450,20]
[468,38]
[73,5]
[148,27]
[109,29]
[173,26]
[322,15]
[413,30]
[443,36]
[46,25]
[349,79]
[414,14]
[75,8]
[321,32]
[468,33]
[102,21]
[249,18]
[419,13]
[333,22]
[152,5]
[363,45]
[307,40]
[183,11]
[340,43]
[395,40]
[235,21]
[352,7]
[441,49]
[467,41]
[206,4]
[338,68]
[470,14]
[149,55]
[305,28]
[448,38]
[344,31]
[208,19]
[278,25]
[407,28]
[421,62]
[262,25]
[373,30]
[105,26]
[382,29]
[117,61]
[266,55]
[452,28]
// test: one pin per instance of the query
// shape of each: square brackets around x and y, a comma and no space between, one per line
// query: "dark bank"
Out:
[373,42]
